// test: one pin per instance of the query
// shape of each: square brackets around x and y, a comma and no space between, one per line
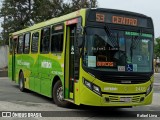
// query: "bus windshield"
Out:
[117,50]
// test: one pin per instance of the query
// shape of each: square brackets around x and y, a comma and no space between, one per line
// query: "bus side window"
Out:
[34,45]
[26,43]
[45,39]
[57,39]
[20,44]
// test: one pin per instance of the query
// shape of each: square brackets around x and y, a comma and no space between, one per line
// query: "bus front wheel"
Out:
[21,82]
[58,95]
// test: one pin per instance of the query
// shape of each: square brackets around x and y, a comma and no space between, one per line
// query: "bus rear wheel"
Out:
[21,82]
[58,95]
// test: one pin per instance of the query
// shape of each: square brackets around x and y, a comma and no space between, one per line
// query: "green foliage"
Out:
[157,47]
[19,14]
[16,16]
[2,42]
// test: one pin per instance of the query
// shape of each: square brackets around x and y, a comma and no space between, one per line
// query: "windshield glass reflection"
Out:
[114,50]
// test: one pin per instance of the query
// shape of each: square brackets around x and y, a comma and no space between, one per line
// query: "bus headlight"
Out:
[96,89]
[149,89]
[88,84]
[92,86]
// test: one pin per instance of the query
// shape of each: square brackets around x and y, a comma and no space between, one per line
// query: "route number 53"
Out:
[99,17]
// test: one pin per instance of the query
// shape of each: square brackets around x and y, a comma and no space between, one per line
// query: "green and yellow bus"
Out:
[97,57]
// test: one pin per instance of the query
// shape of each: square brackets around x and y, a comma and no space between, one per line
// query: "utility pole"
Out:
[91,3]
[4,28]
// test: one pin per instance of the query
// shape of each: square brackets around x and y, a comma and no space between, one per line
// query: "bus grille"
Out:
[135,99]
[124,79]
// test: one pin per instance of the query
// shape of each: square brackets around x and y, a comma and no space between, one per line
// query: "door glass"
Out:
[72,55]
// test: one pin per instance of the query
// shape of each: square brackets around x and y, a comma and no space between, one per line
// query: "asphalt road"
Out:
[11,99]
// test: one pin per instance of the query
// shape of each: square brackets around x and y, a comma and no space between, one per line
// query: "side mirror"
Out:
[80,40]
[80,37]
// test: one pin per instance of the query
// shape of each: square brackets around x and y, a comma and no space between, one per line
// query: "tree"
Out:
[16,14]
[42,10]
[157,48]
[20,14]
[47,9]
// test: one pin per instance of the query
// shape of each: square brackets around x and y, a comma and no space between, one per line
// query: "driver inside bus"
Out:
[120,55]
[100,49]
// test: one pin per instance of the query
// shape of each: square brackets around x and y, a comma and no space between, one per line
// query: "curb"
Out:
[157,73]
[3,73]
[3,78]
[156,84]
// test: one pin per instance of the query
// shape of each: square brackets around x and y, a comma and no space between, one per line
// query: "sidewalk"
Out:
[156,84]
[158,70]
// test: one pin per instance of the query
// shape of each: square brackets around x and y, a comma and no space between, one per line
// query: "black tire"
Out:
[21,82]
[58,95]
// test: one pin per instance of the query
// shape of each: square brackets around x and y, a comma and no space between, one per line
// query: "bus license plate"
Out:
[126,99]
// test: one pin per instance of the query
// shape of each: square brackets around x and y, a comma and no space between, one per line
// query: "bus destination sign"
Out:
[124,20]
[121,19]
[116,19]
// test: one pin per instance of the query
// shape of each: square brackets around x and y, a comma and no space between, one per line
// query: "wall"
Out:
[3,56]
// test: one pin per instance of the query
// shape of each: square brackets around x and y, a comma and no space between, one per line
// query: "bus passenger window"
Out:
[57,43]
[27,43]
[35,38]
[57,39]
[20,44]
[45,39]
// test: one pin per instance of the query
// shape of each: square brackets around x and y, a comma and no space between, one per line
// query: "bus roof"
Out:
[121,12]
[73,15]
[51,21]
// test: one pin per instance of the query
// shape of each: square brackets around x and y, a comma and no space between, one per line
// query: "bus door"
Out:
[14,52]
[72,57]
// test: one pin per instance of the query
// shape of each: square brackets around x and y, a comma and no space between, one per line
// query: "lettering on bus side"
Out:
[124,20]
[24,63]
[46,64]
[110,88]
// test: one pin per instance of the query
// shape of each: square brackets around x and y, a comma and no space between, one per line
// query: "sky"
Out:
[150,8]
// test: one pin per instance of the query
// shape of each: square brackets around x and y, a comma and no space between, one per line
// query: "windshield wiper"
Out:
[134,44]
[136,39]
[111,38]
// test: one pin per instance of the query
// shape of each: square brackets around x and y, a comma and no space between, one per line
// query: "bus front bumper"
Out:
[88,97]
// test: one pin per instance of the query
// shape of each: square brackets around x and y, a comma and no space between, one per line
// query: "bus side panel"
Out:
[10,66]
[58,66]
[36,76]
[18,66]
[43,71]
[32,80]
[49,67]
[10,59]
[26,66]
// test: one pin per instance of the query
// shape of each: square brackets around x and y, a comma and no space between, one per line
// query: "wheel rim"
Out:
[60,94]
